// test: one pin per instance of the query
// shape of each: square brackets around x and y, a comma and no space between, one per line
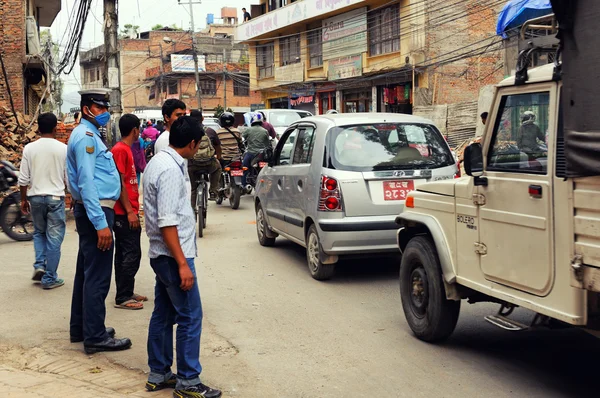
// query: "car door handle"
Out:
[300,185]
[279,184]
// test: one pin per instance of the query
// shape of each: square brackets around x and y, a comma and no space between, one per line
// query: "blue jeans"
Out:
[246,163]
[92,280]
[174,306]
[49,222]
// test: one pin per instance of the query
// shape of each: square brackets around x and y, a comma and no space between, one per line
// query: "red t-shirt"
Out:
[124,161]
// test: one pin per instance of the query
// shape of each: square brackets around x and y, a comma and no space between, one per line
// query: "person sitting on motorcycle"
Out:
[257,139]
[230,138]
[206,160]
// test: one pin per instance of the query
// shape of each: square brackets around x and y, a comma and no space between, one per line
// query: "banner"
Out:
[345,34]
[343,68]
[184,63]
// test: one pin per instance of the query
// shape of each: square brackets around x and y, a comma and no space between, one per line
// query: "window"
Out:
[315,48]
[520,143]
[241,86]
[387,146]
[304,146]
[173,89]
[285,154]
[265,59]
[289,50]
[209,87]
[384,30]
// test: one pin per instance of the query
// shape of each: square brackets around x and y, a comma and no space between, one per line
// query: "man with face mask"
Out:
[95,185]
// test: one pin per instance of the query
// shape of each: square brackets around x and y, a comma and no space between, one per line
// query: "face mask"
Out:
[102,119]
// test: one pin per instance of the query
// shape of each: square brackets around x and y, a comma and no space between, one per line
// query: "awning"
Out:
[516,12]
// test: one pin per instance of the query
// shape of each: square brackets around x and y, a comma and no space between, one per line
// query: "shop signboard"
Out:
[345,34]
[184,63]
[345,67]
[255,107]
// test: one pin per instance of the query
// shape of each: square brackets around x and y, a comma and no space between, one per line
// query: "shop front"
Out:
[395,98]
[327,101]
[358,100]
[303,100]
[279,103]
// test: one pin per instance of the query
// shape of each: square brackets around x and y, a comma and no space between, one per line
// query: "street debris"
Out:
[14,137]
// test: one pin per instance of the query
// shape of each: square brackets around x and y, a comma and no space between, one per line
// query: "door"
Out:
[277,197]
[298,182]
[516,219]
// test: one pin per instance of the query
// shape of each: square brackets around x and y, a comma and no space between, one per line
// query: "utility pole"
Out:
[112,75]
[195,54]
[224,82]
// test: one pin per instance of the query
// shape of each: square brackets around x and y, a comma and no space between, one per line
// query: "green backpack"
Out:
[206,152]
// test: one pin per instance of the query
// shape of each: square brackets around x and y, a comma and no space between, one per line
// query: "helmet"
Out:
[528,116]
[331,112]
[257,118]
[227,119]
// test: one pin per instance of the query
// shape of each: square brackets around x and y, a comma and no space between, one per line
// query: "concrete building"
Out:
[380,56]
[22,52]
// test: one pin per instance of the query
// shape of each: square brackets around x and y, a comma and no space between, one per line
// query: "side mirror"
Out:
[473,158]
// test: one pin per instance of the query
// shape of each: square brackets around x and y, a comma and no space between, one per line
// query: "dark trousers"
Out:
[92,280]
[246,163]
[214,171]
[128,254]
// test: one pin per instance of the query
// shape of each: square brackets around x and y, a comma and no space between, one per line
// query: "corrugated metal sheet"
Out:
[462,122]
[586,200]
[437,113]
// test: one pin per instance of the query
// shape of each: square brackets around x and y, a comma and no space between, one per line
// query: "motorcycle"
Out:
[231,183]
[259,162]
[15,224]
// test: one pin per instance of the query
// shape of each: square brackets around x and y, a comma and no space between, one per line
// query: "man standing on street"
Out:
[95,186]
[172,110]
[43,169]
[128,250]
[171,227]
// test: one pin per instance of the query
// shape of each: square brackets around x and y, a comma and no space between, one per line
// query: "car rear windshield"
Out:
[283,118]
[387,146]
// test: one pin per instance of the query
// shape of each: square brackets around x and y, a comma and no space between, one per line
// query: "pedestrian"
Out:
[484,116]
[95,186]
[128,250]
[139,158]
[150,132]
[42,183]
[247,15]
[77,117]
[172,110]
[171,228]
[268,126]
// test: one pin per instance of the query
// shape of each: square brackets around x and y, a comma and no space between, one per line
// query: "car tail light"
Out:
[458,173]
[330,197]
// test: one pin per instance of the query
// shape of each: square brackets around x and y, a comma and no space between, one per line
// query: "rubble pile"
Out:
[14,137]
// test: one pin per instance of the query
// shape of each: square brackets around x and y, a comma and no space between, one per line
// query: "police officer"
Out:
[95,186]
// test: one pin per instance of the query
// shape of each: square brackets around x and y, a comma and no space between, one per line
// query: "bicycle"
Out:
[202,203]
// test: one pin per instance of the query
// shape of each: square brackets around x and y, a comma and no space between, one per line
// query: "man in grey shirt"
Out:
[257,139]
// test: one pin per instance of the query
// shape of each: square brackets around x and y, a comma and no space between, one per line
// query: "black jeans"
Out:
[128,254]
[92,280]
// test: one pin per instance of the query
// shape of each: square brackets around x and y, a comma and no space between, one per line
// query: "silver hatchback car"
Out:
[336,183]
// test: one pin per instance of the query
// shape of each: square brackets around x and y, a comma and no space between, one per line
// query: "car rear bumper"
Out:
[358,235]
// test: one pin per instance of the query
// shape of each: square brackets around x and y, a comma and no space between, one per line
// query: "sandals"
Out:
[130,305]
[139,297]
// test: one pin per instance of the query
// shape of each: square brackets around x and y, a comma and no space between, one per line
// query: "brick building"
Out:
[404,56]
[21,51]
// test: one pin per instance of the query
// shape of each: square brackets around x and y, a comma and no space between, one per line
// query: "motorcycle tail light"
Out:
[235,165]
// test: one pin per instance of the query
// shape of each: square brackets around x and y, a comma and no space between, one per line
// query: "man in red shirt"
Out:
[128,251]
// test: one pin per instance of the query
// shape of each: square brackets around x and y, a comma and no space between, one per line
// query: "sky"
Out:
[145,13]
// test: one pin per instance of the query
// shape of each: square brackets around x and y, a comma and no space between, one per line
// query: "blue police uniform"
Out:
[95,186]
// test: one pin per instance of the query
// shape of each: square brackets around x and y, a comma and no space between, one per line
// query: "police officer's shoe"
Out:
[110,344]
[77,339]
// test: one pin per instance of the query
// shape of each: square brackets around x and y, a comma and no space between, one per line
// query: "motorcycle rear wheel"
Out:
[13,222]
[234,198]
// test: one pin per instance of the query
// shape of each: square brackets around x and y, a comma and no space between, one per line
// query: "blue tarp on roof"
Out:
[517,12]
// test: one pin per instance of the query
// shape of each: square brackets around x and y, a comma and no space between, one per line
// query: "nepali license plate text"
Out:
[237,173]
[397,190]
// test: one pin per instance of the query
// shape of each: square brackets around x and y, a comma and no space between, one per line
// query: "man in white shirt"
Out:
[42,182]
[172,110]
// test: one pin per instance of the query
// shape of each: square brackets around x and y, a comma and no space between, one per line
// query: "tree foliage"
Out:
[219,110]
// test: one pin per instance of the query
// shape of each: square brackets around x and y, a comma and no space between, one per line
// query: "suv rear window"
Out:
[283,118]
[387,146]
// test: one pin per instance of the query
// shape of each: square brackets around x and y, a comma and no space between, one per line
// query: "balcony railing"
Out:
[293,13]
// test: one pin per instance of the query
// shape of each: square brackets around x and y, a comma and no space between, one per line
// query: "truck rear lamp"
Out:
[535,191]
[410,202]
[458,173]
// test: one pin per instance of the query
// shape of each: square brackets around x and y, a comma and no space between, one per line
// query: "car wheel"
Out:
[317,269]
[429,314]
[262,227]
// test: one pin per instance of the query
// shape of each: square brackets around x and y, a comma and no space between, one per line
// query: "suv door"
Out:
[274,177]
[515,219]
[299,184]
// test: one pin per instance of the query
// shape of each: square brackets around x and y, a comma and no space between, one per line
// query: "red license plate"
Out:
[397,190]
[237,173]
[262,164]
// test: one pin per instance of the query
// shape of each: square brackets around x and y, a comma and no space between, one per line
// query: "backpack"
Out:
[206,152]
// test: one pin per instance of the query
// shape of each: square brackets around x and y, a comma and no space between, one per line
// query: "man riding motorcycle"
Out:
[257,139]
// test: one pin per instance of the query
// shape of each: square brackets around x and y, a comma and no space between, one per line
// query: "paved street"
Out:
[270,330]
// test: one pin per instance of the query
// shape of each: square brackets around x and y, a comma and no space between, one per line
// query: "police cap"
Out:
[99,96]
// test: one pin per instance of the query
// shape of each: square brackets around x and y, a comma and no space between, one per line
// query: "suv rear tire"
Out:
[429,314]
[314,252]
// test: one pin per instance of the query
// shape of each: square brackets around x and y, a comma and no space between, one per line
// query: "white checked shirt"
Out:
[167,203]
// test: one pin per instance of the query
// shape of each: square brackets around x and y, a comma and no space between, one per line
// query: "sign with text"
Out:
[184,63]
[345,34]
[343,68]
